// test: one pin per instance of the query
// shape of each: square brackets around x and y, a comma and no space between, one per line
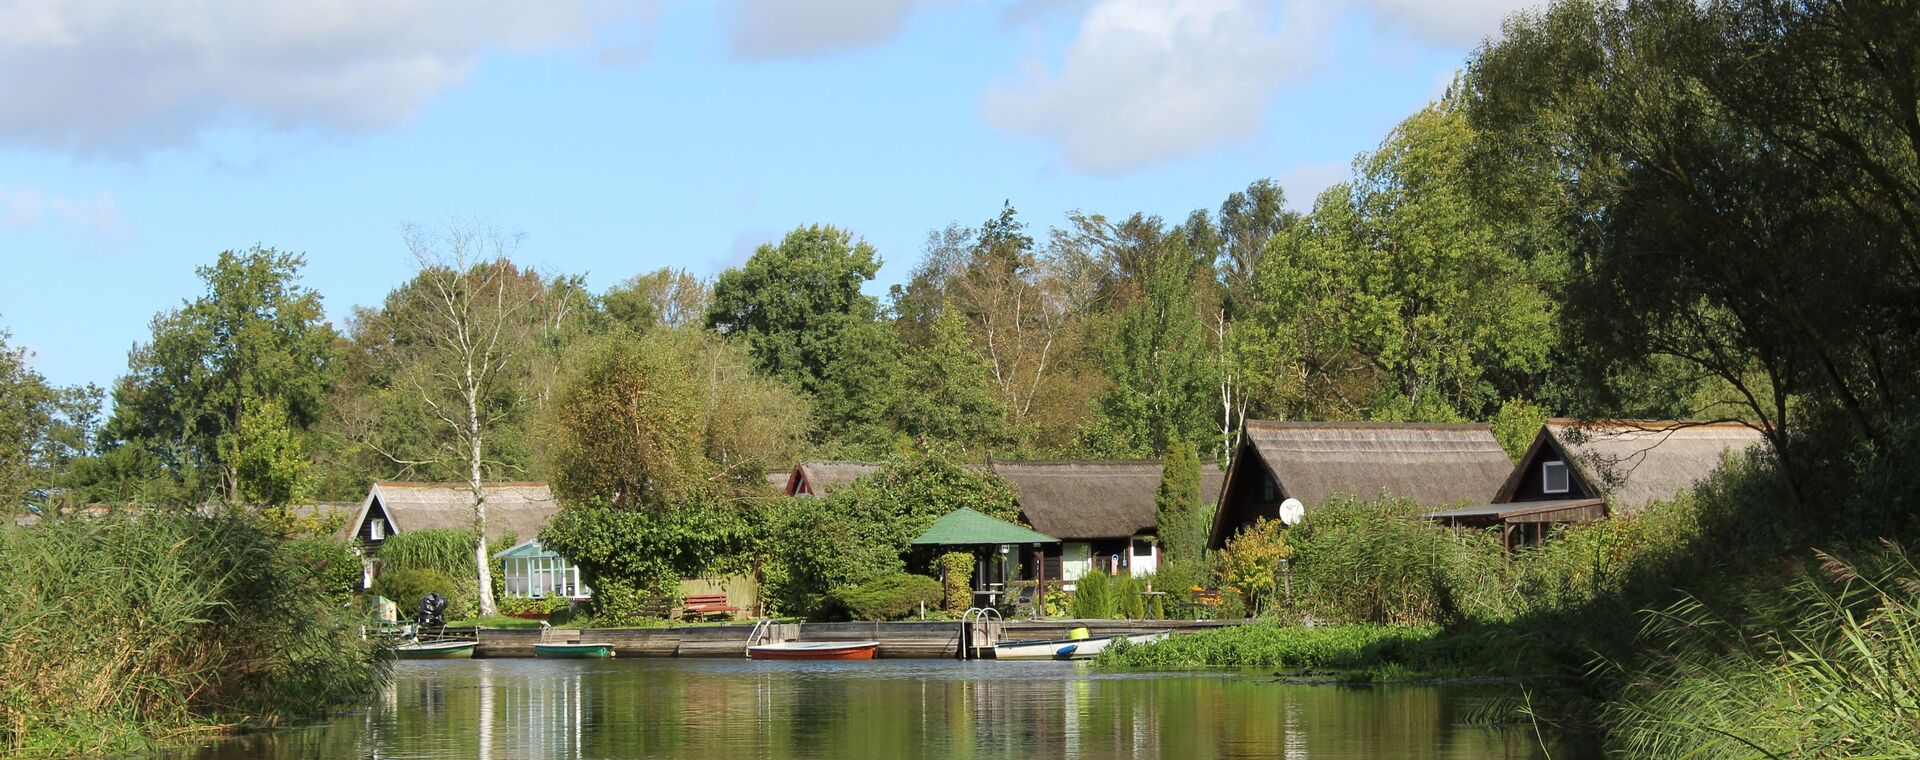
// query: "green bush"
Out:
[1286,648]
[1093,596]
[957,569]
[528,606]
[118,632]
[406,587]
[890,597]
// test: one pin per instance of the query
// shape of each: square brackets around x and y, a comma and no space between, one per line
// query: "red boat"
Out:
[814,650]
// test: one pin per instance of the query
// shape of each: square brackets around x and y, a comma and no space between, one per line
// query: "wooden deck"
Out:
[898,640]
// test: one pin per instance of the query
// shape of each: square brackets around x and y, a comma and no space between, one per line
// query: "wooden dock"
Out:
[934,639]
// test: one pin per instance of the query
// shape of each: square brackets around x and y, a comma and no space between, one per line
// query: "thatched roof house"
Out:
[1627,464]
[513,509]
[1092,500]
[817,478]
[1430,464]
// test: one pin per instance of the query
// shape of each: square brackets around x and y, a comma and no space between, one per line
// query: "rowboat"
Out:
[575,651]
[814,650]
[435,650]
[1069,649]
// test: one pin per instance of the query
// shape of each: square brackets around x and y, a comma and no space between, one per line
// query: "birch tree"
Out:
[472,325]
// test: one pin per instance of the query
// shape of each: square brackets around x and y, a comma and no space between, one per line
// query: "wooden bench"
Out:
[707,605]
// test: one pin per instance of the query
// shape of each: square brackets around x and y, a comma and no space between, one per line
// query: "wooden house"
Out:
[1101,511]
[1432,465]
[514,510]
[1577,472]
[816,478]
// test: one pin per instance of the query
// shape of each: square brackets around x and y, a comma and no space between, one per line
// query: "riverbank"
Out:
[933,639]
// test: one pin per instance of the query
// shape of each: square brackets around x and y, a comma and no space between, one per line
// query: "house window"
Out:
[1270,491]
[1143,547]
[1553,477]
[377,530]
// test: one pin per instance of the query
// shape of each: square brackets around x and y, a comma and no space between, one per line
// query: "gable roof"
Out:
[1634,463]
[965,527]
[1433,465]
[1081,500]
[520,509]
[820,478]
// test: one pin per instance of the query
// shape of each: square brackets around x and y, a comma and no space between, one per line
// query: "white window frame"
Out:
[377,529]
[1546,477]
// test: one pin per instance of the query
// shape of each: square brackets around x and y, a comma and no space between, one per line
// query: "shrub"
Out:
[1283,648]
[116,632]
[447,551]
[1251,563]
[407,587]
[1093,597]
[957,570]
[890,597]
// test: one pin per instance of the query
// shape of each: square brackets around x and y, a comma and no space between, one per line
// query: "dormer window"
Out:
[377,529]
[1269,491]
[1553,478]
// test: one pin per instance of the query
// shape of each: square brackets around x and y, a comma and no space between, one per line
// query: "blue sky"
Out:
[138,140]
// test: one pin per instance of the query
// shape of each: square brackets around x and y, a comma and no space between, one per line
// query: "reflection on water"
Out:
[738,709]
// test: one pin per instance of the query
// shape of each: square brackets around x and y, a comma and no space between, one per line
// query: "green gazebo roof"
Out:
[965,527]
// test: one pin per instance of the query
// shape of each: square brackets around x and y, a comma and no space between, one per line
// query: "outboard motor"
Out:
[433,611]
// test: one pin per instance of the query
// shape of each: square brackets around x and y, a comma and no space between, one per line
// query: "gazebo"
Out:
[979,534]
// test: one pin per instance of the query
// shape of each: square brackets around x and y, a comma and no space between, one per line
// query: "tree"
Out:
[1399,288]
[1180,516]
[43,429]
[1741,183]
[662,298]
[1247,220]
[470,323]
[1157,360]
[952,394]
[792,302]
[256,342]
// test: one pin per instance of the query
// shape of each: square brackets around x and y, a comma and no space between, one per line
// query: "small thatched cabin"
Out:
[821,478]
[1102,512]
[1432,465]
[517,510]
[1579,472]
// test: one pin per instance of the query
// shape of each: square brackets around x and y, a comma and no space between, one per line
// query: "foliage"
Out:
[185,624]
[633,559]
[1827,667]
[791,302]
[255,342]
[43,429]
[1286,649]
[669,298]
[626,426]
[521,605]
[1516,425]
[1157,358]
[1181,518]
[953,396]
[1377,562]
[956,573]
[1094,596]
[865,530]
[895,596]
[1252,562]
[407,586]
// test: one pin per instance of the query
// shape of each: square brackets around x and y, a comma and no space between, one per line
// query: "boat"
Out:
[1069,649]
[814,650]
[435,650]
[575,651]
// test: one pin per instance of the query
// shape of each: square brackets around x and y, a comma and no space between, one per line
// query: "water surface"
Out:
[740,709]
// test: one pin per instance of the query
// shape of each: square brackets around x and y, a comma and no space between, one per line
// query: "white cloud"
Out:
[1146,81]
[99,76]
[1451,23]
[799,28]
[23,207]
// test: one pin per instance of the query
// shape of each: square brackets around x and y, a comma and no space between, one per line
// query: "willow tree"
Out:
[471,327]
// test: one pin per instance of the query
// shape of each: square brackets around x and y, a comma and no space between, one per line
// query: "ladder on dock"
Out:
[988,621]
[760,631]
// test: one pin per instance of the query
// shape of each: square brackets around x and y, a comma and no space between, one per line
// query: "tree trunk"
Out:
[481,561]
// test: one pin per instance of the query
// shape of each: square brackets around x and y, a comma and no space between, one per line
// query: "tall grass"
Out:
[117,633]
[1829,666]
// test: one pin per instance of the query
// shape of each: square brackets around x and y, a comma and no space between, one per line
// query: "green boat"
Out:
[435,650]
[598,651]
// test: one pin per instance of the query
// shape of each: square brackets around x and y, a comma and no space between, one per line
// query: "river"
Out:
[729,709]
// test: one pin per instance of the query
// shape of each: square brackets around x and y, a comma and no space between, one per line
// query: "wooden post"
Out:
[1040,583]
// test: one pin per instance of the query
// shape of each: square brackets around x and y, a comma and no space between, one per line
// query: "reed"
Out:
[118,633]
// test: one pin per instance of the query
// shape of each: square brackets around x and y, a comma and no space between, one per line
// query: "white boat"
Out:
[1069,649]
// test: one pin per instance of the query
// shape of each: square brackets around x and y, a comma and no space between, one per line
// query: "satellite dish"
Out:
[1291,511]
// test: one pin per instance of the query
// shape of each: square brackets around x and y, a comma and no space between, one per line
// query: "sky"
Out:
[138,140]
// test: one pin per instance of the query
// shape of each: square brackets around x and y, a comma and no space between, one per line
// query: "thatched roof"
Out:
[1431,465]
[1083,500]
[778,479]
[1635,463]
[520,509]
[821,478]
